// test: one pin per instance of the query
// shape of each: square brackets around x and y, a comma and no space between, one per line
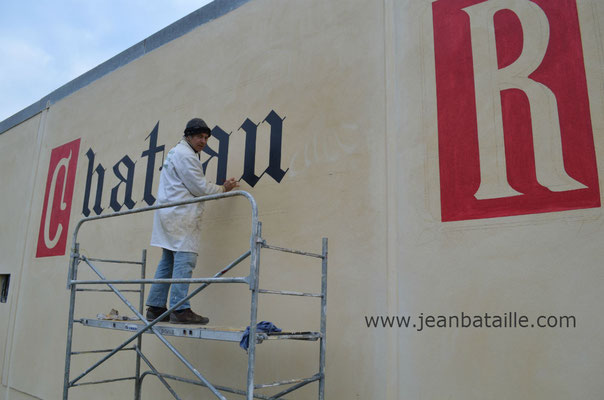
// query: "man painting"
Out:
[177,230]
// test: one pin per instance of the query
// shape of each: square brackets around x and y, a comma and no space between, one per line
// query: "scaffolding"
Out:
[141,325]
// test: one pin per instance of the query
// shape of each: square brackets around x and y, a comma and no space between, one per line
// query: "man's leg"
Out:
[184,263]
[158,294]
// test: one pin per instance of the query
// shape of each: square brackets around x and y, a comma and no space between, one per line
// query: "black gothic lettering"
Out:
[274,166]
[223,154]
[150,153]
[129,181]
[249,176]
[100,171]
[249,162]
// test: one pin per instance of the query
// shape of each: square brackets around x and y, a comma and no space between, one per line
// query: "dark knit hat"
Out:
[197,125]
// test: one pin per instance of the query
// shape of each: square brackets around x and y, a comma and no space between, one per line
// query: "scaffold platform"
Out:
[196,332]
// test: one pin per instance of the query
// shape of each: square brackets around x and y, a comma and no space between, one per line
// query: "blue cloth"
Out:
[263,326]
[177,265]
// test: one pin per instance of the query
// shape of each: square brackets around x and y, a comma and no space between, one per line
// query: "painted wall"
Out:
[414,135]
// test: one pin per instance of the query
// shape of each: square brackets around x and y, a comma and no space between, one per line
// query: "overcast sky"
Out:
[45,44]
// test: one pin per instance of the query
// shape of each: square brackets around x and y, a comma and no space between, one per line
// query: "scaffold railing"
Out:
[141,326]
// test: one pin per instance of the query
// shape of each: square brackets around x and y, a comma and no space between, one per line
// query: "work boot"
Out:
[154,312]
[187,316]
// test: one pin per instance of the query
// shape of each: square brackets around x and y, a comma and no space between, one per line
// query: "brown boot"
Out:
[154,312]
[187,316]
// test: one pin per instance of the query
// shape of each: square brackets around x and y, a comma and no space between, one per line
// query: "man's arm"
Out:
[191,172]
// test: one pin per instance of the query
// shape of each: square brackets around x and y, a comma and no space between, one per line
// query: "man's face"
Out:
[198,141]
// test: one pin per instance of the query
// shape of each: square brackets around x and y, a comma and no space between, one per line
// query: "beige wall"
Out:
[355,82]
[19,151]
[539,264]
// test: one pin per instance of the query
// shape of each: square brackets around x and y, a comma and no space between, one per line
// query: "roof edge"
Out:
[207,13]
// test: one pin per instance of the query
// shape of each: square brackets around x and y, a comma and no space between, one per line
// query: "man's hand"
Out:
[230,184]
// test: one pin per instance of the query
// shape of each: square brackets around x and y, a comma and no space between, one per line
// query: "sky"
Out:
[45,44]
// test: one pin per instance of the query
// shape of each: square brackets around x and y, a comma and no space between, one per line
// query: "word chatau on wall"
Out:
[123,170]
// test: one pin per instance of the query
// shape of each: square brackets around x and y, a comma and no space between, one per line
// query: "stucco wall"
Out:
[536,264]
[19,154]
[354,83]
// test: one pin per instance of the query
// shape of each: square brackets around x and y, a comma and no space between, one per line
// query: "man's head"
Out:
[197,134]
[197,125]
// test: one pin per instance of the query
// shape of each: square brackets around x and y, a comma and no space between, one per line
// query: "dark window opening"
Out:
[4,282]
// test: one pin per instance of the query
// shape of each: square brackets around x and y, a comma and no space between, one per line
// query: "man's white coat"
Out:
[179,228]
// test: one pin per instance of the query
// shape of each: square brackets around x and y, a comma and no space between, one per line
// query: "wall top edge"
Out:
[203,15]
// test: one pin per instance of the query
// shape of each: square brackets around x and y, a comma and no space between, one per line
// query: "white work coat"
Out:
[179,228]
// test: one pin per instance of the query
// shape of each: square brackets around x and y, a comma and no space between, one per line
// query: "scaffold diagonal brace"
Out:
[155,331]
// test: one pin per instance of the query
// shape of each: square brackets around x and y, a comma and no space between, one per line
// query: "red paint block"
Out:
[558,73]
[56,210]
